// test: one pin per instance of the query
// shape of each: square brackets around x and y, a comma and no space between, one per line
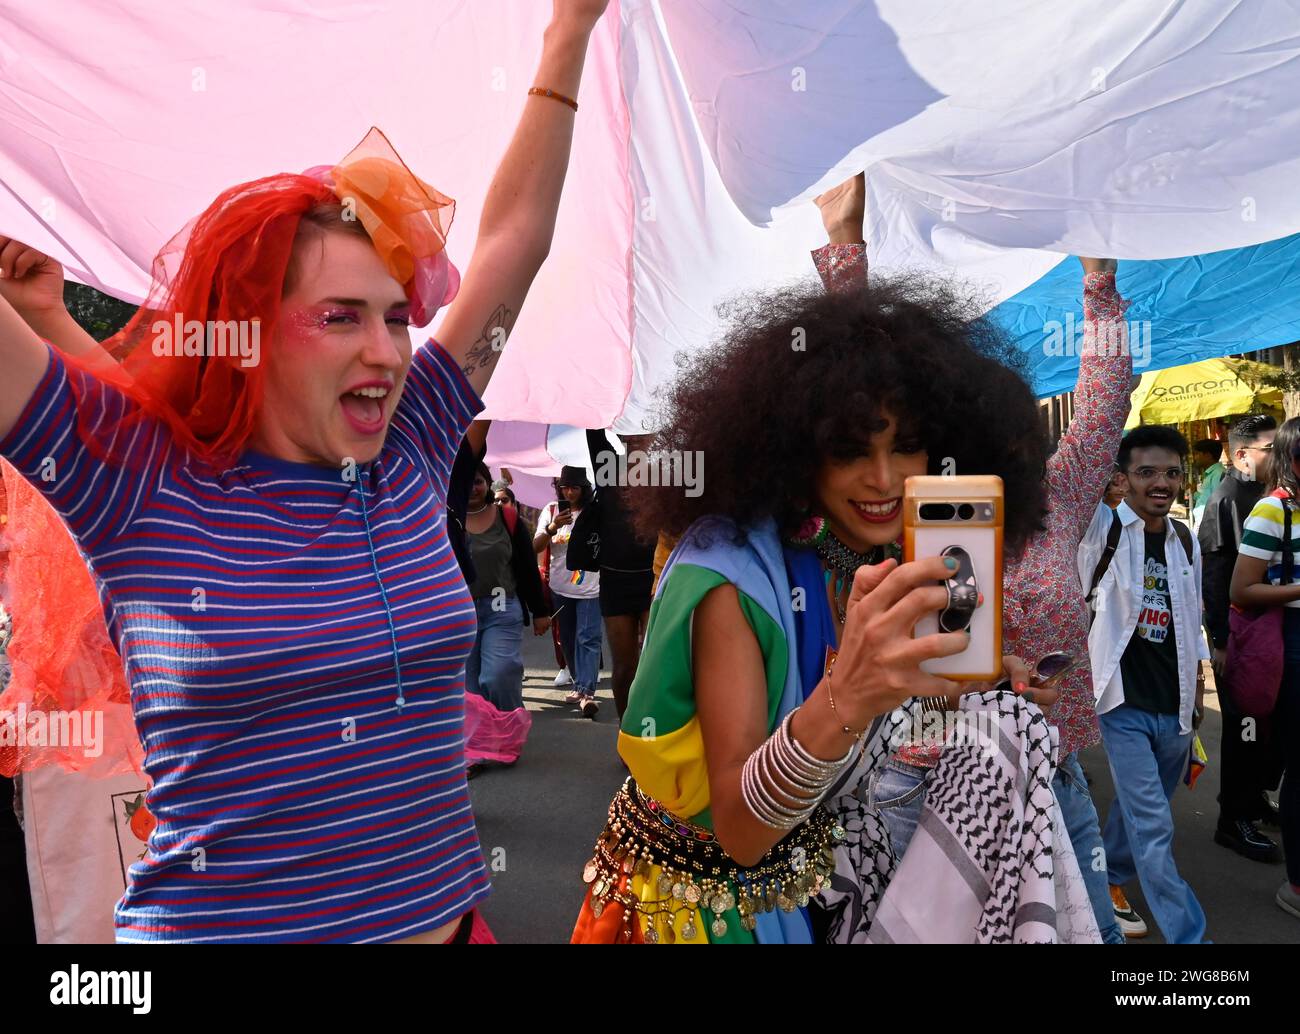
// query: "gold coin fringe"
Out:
[696,876]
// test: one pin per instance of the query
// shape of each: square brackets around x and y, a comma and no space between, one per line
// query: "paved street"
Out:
[538,822]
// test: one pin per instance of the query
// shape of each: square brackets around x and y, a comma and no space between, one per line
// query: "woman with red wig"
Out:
[259,491]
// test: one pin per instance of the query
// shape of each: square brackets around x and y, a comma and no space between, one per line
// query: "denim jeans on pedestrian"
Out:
[495,667]
[580,639]
[1147,758]
[1081,823]
[898,792]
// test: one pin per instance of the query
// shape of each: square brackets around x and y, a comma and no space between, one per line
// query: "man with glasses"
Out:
[1246,767]
[1144,570]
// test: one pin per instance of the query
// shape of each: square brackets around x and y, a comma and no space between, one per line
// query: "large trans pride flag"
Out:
[998,138]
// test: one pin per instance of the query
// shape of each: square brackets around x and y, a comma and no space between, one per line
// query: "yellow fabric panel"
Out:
[670,768]
[663,550]
[647,891]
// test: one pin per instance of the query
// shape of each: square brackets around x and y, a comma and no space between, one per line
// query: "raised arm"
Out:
[25,282]
[842,263]
[32,284]
[1080,469]
[518,221]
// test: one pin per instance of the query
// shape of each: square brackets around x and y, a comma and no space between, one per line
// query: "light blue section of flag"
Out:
[1182,310]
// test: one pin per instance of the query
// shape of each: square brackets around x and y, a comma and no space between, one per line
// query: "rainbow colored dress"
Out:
[781,591]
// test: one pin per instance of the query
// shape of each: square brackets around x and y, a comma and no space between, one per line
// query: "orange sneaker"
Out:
[1130,923]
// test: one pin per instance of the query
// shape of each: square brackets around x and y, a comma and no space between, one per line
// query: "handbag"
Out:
[584,541]
[1253,669]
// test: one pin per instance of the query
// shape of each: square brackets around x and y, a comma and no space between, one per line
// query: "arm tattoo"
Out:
[486,350]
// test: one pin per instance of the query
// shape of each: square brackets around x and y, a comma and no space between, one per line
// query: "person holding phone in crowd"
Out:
[1043,610]
[576,594]
[780,634]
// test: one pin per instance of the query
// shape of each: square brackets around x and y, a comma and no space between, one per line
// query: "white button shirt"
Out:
[1119,603]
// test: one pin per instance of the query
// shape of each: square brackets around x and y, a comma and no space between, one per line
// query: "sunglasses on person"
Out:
[1049,671]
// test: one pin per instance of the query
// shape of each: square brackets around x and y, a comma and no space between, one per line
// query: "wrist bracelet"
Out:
[542,91]
[836,711]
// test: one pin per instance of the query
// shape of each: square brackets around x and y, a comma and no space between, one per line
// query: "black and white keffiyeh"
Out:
[980,866]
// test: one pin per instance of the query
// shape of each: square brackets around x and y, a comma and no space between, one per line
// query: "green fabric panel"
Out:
[664,689]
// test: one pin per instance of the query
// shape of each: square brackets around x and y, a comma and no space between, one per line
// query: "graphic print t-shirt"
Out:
[1149,666]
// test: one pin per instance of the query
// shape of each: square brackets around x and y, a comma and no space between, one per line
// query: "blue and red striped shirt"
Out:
[263,615]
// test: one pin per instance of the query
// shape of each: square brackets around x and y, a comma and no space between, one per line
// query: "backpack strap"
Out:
[1107,555]
[1184,534]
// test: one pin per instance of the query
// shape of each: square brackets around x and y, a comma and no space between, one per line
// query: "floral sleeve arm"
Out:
[1080,469]
[842,266]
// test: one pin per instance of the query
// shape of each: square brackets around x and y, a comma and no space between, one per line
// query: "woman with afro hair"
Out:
[814,409]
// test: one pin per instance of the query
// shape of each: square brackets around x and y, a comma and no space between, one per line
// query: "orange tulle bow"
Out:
[407,221]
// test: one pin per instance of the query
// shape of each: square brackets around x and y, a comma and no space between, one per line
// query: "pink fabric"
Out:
[698,122]
[492,735]
[119,133]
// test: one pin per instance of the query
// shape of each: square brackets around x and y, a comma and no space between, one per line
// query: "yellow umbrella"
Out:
[1202,391]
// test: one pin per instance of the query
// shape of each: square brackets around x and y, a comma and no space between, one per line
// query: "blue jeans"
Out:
[580,639]
[495,667]
[1085,837]
[898,793]
[1147,757]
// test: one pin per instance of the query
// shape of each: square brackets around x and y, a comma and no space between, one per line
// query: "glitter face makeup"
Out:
[333,387]
[316,318]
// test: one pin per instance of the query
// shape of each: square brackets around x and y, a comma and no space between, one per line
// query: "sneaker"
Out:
[1288,900]
[1242,836]
[590,707]
[1130,923]
[573,697]
[564,678]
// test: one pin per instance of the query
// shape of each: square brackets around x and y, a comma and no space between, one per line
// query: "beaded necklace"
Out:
[840,560]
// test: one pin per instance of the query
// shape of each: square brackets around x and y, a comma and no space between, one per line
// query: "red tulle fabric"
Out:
[492,735]
[60,656]
[230,263]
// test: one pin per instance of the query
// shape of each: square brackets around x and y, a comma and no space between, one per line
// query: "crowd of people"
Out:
[361,569]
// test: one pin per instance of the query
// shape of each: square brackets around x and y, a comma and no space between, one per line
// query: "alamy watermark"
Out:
[74,986]
[937,729]
[215,339]
[32,727]
[1109,338]
[661,468]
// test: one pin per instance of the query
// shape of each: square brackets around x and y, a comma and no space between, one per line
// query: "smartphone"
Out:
[565,506]
[960,517]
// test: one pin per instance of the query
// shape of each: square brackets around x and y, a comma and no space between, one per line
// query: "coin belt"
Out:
[696,875]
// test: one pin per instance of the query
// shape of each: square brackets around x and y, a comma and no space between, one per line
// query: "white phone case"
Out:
[981,538]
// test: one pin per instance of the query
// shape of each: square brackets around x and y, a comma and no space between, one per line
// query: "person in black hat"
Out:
[576,594]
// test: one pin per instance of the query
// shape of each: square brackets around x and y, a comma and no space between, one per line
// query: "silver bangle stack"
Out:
[782,758]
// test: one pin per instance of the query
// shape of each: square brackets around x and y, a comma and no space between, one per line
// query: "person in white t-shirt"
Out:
[577,593]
